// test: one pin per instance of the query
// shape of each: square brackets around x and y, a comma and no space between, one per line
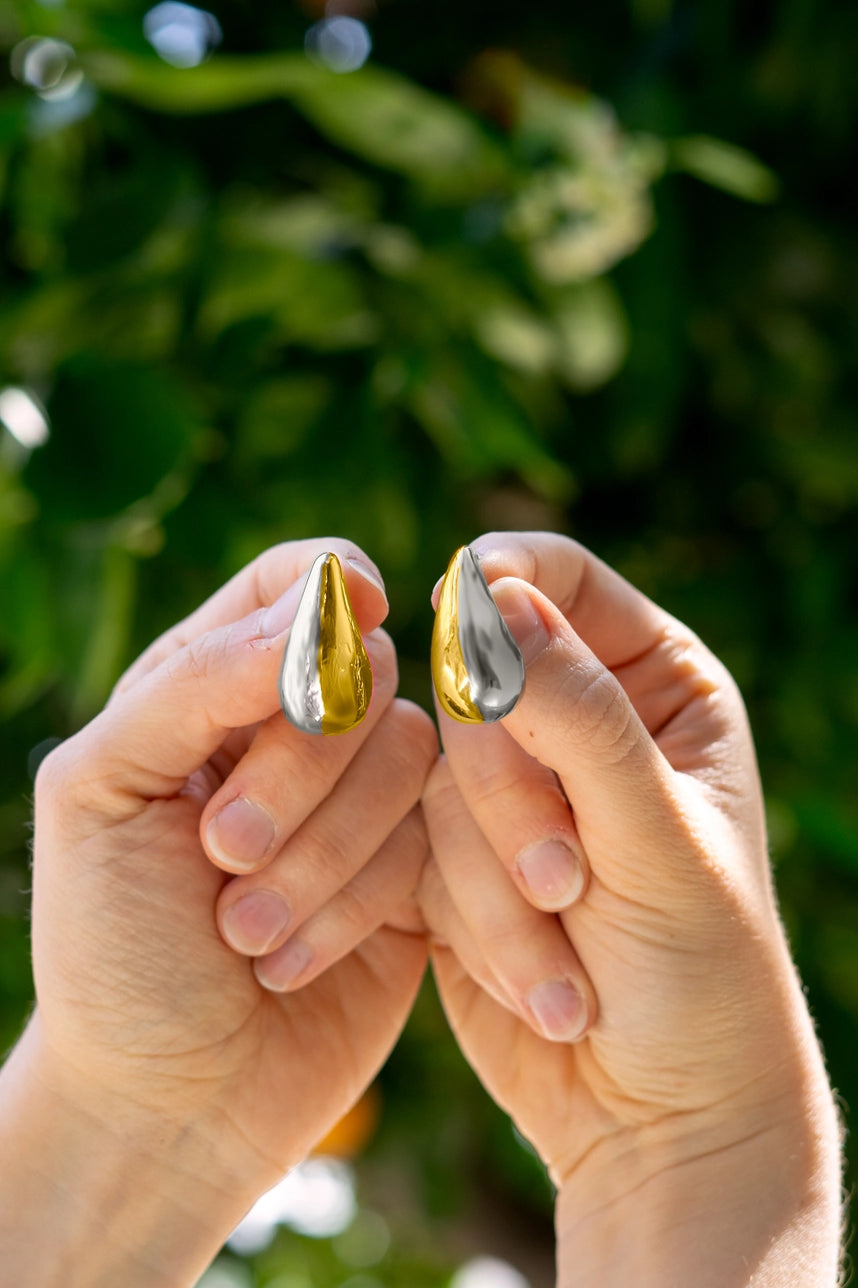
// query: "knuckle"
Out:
[411,839]
[432,894]
[310,768]
[354,911]
[492,785]
[603,719]
[416,731]
[55,770]
[441,796]
[265,572]
[201,657]
[513,553]
[74,788]
[196,662]
[331,851]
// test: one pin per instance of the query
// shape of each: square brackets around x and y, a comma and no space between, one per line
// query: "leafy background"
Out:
[588,268]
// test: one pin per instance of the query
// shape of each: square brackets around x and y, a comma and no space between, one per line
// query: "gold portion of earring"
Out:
[345,673]
[326,676]
[449,672]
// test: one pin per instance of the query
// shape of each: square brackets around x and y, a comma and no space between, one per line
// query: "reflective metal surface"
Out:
[326,677]
[476,664]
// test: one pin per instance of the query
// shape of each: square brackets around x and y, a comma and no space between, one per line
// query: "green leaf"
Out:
[395,124]
[478,427]
[726,166]
[219,85]
[575,224]
[831,827]
[107,642]
[279,417]
[120,212]
[592,334]
[28,643]
[315,302]
[116,432]
[13,116]
[517,336]
[373,113]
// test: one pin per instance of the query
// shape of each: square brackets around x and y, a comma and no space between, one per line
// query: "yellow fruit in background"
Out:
[355,1129]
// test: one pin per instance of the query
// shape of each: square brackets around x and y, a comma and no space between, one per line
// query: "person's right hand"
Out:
[224,951]
[608,947]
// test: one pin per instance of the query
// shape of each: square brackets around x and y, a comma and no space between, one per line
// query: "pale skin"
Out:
[160,1087]
[634,1007]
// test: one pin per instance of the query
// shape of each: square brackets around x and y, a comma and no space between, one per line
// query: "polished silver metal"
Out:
[300,684]
[491,656]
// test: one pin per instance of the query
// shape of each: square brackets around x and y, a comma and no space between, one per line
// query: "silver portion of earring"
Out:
[491,656]
[300,683]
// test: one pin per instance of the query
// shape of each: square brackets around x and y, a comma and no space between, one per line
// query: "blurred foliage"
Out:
[480,282]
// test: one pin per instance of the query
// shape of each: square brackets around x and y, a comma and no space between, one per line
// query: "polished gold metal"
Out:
[326,677]
[449,672]
[345,674]
[476,664]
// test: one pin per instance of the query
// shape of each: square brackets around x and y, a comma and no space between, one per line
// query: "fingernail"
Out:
[368,574]
[552,873]
[525,623]
[558,1010]
[241,834]
[278,970]
[252,924]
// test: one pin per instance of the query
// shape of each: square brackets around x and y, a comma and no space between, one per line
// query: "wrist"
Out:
[128,1197]
[728,1200]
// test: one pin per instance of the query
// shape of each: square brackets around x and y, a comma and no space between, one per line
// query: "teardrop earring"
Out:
[326,677]
[476,664]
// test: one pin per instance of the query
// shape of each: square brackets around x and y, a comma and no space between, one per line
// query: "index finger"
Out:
[260,584]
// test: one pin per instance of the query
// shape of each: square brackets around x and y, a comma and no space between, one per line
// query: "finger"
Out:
[154,735]
[575,717]
[278,571]
[617,621]
[446,928]
[521,809]
[285,774]
[376,791]
[527,950]
[660,663]
[364,904]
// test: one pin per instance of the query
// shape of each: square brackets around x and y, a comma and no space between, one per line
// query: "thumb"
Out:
[575,717]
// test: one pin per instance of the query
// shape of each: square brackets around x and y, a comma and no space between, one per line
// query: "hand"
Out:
[608,946]
[150,1028]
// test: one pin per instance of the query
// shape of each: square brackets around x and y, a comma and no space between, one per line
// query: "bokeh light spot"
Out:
[48,66]
[365,1242]
[24,417]
[341,44]
[317,1198]
[181,34]
[488,1272]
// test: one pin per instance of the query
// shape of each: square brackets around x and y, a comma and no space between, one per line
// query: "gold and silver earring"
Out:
[326,677]
[476,664]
